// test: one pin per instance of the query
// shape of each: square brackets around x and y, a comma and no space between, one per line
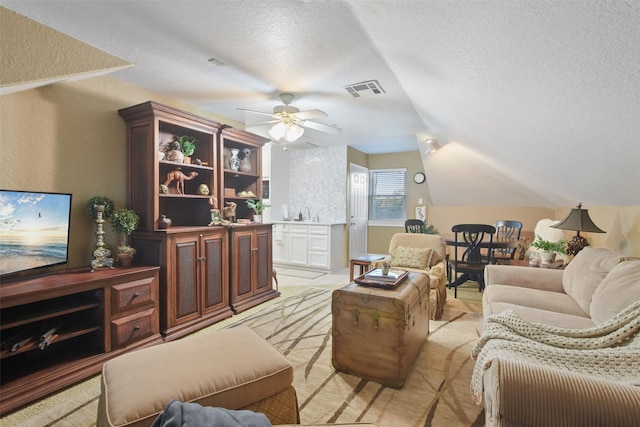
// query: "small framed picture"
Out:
[421,212]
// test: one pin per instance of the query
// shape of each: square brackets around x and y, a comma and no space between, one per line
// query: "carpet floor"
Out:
[436,393]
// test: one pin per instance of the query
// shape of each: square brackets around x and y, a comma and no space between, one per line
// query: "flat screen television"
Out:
[34,232]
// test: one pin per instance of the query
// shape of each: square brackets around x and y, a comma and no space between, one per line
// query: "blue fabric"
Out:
[179,414]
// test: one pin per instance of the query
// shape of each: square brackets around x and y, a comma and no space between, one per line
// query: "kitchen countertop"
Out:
[308,223]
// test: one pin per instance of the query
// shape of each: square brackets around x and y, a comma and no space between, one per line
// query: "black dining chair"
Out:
[506,230]
[469,260]
[414,226]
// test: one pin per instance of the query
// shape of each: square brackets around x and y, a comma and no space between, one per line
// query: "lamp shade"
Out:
[578,220]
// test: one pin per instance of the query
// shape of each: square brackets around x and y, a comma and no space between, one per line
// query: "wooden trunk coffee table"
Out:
[378,333]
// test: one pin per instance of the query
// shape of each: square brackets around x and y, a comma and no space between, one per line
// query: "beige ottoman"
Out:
[231,368]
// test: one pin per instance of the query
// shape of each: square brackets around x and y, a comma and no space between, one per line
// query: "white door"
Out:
[358,209]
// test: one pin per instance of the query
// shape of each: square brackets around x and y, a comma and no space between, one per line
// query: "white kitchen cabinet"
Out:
[280,244]
[314,246]
[298,243]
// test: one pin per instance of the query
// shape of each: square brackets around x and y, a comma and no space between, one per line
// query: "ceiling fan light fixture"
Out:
[285,132]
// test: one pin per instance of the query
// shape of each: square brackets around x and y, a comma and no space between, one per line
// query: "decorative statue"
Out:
[245,163]
[177,175]
[230,211]
[216,217]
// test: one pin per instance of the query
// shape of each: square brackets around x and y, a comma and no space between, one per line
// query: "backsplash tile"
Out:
[318,180]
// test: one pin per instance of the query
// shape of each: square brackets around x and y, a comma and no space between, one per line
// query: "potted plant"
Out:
[100,201]
[125,222]
[258,207]
[187,145]
[430,229]
[548,250]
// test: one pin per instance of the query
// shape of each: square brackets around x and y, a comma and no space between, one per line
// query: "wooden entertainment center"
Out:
[61,328]
[207,273]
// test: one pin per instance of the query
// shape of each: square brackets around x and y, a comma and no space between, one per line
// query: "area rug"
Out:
[437,390]
[436,393]
[304,274]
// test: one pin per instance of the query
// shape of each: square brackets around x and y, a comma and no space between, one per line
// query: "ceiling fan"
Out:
[289,122]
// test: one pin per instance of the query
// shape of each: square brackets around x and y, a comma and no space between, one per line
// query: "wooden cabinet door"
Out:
[214,249]
[184,295]
[242,264]
[262,260]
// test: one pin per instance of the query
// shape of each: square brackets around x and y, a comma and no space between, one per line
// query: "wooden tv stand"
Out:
[60,329]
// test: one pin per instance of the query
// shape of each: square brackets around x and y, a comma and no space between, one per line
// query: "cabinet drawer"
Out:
[318,243]
[298,229]
[132,295]
[129,329]
[319,229]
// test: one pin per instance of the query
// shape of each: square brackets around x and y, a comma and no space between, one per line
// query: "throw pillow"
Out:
[620,288]
[585,273]
[404,256]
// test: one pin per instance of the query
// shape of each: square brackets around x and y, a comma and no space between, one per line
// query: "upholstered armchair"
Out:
[421,253]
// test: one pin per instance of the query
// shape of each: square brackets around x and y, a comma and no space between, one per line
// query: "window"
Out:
[387,194]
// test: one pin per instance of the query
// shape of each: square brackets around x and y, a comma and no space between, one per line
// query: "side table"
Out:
[364,262]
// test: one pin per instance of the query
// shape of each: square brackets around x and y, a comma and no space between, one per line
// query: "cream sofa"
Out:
[595,286]
[433,264]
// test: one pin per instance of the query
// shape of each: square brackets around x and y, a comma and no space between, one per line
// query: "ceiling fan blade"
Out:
[263,123]
[322,127]
[310,114]
[255,112]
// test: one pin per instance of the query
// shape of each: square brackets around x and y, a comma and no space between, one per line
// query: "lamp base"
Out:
[576,244]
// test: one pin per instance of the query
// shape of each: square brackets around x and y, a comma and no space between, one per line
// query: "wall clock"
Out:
[419,178]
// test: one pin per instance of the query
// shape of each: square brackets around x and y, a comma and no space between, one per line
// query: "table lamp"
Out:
[578,220]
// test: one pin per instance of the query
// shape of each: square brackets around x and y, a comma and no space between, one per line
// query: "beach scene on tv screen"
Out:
[34,230]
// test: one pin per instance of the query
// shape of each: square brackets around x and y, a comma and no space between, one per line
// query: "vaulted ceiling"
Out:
[535,103]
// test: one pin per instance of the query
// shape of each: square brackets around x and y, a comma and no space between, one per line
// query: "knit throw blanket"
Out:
[610,351]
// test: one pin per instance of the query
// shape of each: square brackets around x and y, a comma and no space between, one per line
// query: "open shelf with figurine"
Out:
[242,168]
[166,178]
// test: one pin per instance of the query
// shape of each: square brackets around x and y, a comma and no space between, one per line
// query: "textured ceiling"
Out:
[536,103]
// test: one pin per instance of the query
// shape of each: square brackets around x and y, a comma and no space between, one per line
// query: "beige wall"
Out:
[68,137]
[621,223]
[445,217]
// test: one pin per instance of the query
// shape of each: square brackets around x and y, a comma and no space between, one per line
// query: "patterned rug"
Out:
[436,393]
[304,274]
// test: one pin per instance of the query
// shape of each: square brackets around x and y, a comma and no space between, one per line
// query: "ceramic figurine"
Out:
[216,218]
[164,222]
[245,163]
[180,178]
[234,161]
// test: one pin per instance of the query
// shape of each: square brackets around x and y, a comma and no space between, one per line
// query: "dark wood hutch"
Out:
[198,262]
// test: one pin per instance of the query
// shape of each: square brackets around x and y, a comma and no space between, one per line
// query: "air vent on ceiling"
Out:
[368,88]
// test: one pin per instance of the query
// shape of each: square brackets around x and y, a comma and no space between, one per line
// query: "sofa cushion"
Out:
[404,256]
[540,315]
[586,271]
[550,301]
[620,288]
